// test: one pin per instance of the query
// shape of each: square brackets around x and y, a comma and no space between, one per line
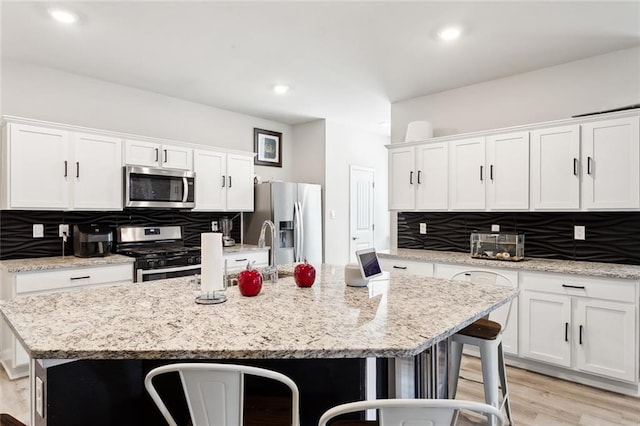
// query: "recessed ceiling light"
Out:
[281,89]
[449,33]
[64,16]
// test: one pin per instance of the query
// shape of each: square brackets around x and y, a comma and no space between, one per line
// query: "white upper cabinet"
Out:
[152,154]
[97,172]
[555,168]
[402,192]
[54,169]
[611,164]
[418,177]
[432,176]
[467,174]
[224,181]
[507,158]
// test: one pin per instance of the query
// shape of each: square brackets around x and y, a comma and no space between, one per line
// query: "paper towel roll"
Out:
[211,264]
[418,131]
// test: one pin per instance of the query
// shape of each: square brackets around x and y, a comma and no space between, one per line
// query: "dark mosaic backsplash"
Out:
[16,228]
[612,237]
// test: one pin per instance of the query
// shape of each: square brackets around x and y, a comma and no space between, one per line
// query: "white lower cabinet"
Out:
[13,357]
[583,323]
[407,267]
[507,314]
[237,261]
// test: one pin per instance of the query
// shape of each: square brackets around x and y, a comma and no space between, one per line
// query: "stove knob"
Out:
[151,264]
[198,260]
[162,262]
[191,260]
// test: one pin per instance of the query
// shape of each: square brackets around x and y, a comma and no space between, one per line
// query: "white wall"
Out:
[593,84]
[347,146]
[41,93]
[309,164]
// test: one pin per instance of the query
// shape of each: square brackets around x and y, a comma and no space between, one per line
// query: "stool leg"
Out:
[489,361]
[455,358]
[503,383]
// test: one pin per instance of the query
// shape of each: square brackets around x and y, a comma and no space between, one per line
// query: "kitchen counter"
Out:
[58,262]
[394,317]
[243,248]
[594,269]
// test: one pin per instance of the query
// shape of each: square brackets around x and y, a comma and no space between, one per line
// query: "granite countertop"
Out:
[594,269]
[58,262]
[393,316]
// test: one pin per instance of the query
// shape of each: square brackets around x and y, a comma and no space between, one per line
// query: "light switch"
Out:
[495,228]
[332,214]
[423,228]
[579,232]
[38,230]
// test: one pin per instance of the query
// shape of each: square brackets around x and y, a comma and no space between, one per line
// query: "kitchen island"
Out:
[394,318]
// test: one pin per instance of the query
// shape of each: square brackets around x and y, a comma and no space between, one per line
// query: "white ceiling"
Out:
[346,61]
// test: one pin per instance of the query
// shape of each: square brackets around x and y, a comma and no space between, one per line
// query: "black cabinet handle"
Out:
[65,168]
[80,278]
[566,331]
[241,260]
[491,172]
[419,171]
[411,177]
[481,167]
[589,160]
[223,180]
[77,169]
[229,181]
[399,267]
[156,155]
[165,155]
[581,287]
[580,334]
[575,167]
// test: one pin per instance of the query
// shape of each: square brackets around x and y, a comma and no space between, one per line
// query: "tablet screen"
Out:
[368,261]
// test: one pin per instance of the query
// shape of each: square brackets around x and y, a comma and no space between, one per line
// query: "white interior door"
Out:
[361,227]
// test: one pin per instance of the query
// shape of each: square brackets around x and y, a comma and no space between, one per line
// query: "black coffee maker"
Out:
[92,240]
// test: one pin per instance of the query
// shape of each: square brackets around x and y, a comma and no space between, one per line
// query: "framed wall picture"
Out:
[268,146]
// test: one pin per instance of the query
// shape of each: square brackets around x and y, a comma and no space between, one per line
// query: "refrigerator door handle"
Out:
[300,233]
[295,232]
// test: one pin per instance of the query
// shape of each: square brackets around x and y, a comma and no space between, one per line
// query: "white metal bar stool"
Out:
[487,336]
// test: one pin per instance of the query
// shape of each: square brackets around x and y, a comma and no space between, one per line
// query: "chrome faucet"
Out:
[272,270]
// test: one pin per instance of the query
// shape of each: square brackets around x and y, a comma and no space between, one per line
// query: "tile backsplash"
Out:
[16,227]
[612,237]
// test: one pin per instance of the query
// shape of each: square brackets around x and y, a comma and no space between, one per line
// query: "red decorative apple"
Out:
[250,281]
[304,274]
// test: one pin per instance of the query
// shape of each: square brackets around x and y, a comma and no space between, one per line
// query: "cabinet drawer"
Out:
[61,279]
[407,267]
[238,261]
[594,287]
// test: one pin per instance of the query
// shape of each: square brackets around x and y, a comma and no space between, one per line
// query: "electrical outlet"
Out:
[63,229]
[423,228]
[38,230]
[39,397]
[579,232]
[495,228]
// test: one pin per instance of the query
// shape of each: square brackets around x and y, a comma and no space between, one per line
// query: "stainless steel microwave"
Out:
[146,187]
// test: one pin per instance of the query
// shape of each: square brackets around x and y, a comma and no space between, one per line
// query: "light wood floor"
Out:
[546,401]
[535,399]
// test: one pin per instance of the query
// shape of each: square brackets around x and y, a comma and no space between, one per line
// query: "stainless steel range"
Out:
[159,251]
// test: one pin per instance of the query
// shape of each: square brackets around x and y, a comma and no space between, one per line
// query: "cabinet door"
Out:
[467,174]
[402,178]
[606,338]
[142,153]
[239,182]
[40,170]
[177,157]
[545,327]
[555,168]
[508,171]
[97,172]
[211,179]
[611,164]
[432,176]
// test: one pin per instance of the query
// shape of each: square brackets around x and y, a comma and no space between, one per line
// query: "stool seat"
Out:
[482,329]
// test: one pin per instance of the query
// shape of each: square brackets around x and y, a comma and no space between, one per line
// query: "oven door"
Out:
[147,187]
[163,273]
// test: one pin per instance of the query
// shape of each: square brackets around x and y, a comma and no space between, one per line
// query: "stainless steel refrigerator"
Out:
[296,211]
